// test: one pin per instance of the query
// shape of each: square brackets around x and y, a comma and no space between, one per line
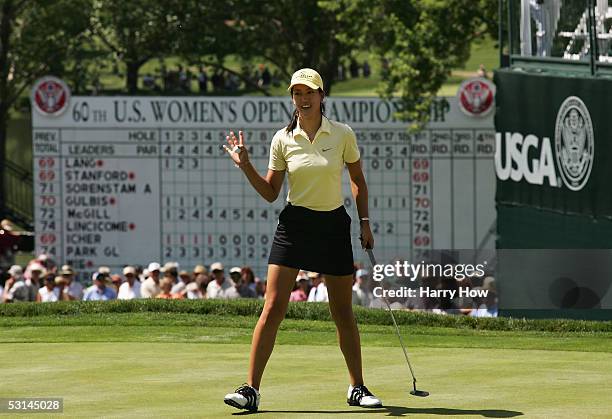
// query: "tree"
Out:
[136,31]
[419,41]
[36,38]
[290,34]
[206,35]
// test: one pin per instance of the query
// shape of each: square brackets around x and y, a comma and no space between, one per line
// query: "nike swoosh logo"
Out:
[326,149]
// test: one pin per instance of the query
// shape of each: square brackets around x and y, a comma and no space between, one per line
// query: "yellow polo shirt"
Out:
[314,168]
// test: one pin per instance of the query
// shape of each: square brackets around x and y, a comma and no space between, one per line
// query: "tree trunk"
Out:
[329,68]
[132,76]
[3,124]
[6,27]
[329,71]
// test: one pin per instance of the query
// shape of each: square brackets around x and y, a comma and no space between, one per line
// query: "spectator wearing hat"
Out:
[33,275]
[220,287]
[318,292]
[236,275]
[300,289]
[202,278]
[53,290]
[104,270]
[150,287]
[15,288]
[26,288]
[166,290]
[184,278]
[171,270]
[15,273]
[199,270]
[360,292]
[73,289]
[99,291]
[130,289]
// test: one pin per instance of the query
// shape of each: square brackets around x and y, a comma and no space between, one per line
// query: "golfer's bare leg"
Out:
[340,293]
[279,284]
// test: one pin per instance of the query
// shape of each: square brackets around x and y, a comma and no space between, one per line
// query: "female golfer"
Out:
[313,231]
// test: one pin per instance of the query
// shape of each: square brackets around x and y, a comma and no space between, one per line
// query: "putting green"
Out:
[174,371]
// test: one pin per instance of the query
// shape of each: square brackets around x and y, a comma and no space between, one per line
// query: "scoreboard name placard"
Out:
[130,180]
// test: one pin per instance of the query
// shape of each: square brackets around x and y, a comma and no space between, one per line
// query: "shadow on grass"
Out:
[403,411]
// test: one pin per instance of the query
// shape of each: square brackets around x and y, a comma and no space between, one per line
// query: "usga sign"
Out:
[50,96]
[476,97]
[574,147]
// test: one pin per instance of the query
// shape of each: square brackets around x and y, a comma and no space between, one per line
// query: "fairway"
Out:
[181,365]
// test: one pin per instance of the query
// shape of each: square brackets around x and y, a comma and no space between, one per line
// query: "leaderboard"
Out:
[130,180]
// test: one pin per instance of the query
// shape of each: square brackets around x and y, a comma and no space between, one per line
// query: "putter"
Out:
[414,391]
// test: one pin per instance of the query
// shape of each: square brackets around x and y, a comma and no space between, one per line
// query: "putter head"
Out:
[419,393]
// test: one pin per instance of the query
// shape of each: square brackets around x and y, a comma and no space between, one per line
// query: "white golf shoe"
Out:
[361,396]
[245,397]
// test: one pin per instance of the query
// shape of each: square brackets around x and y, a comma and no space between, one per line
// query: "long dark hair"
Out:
[294,118]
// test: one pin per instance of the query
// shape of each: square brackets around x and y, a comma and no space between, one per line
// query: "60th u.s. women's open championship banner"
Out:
[130,180]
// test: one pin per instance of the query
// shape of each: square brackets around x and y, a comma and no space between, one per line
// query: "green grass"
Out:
[313,311]
[184,327]
[181,364]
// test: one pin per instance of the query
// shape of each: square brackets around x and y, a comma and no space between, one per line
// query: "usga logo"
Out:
[476,97]
[517,151]
[574,143]
[574,147]
[50,96]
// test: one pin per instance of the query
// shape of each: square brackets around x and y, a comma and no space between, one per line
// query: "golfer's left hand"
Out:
[366,237]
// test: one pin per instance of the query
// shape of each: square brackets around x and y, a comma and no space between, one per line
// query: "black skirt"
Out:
[317,241]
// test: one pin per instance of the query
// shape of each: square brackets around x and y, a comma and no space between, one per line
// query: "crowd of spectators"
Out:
[209,80]
[439,302]
[185,79]
[355,70]
[41,280]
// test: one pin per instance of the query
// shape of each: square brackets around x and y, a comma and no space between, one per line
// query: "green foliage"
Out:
[290,34]
[299,311]
[419,42]
[136,31]
[37,38]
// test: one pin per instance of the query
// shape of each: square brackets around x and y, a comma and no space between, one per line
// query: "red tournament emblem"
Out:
[476,96]
[50,96]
